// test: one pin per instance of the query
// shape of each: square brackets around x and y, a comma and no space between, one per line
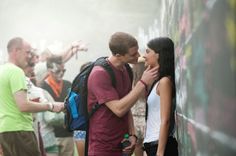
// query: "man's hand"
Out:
[78,46]
[150,75]
[57,107]
[130,149]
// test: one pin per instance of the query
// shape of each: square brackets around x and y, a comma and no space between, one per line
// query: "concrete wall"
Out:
[204,33]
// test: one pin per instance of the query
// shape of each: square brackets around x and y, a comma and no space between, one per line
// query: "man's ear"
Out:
[117,55]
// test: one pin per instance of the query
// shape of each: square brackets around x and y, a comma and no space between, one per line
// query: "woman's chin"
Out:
[146,64]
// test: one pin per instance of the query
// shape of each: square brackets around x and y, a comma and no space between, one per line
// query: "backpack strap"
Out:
[102,61]
[87,69]
[130,72]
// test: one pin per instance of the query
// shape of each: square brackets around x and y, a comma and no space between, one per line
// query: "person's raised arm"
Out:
[73,49]
[66,54]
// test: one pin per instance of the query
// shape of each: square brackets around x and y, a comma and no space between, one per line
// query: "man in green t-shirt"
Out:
[16,131]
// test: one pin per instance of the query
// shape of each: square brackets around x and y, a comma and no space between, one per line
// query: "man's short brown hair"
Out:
[120,43]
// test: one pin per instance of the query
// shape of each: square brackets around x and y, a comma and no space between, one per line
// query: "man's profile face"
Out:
[23,55]
[132,55]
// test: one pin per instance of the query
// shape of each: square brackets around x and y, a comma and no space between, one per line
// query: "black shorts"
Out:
[170,150]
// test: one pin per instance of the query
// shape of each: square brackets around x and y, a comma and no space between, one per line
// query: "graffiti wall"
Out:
[204,32]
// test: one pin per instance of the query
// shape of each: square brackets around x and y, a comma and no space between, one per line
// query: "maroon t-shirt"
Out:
[106,130]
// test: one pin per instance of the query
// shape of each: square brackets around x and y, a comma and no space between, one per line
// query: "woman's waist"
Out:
[155,142]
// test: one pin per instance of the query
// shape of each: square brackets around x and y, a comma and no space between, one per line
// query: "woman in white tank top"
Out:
[159,140]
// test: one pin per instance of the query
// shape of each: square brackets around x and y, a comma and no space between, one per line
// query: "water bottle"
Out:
[125,143]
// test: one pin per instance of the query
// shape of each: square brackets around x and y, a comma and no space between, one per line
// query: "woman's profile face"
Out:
[151,58]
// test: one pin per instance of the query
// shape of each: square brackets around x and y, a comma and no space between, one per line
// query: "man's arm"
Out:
[29,106]
[122,106]
[66,54]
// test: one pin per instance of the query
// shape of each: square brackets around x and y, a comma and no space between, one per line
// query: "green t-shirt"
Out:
[12,79]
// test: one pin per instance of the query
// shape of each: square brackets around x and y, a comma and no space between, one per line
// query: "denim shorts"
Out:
[79,135]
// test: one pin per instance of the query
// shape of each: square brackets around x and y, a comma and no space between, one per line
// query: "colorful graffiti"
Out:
[204,32]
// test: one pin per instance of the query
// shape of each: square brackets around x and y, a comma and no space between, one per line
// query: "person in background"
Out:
[113,119]
[41,71]
[159,138]
[44,131]
[58,89]
[138,110]
[16,122]
[33,96]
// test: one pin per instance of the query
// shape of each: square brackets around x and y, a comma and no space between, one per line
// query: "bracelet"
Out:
[51,106]
[144,83]
[134,136]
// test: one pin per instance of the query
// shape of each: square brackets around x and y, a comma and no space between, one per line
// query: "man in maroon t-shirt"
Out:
[114,118]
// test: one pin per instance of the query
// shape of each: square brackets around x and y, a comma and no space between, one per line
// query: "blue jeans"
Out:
[170,150]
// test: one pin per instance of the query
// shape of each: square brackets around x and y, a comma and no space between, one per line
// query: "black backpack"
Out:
[76,112]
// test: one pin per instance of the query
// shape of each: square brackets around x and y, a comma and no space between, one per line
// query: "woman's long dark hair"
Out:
[164,46]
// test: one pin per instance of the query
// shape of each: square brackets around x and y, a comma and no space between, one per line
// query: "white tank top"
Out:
[154,118]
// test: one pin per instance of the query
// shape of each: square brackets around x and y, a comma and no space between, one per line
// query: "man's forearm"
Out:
[34,107]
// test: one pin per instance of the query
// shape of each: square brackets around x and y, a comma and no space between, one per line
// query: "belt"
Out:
[154,143]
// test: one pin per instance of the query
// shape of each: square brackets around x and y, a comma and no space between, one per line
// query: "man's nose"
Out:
[138,54]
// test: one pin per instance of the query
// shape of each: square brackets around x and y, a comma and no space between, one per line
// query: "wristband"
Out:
[51,106]
[134,136]
[144,83]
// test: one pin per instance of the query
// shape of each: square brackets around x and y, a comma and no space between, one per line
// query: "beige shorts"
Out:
[138,111]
